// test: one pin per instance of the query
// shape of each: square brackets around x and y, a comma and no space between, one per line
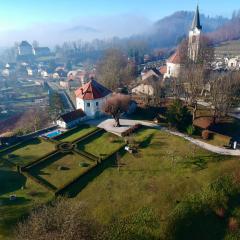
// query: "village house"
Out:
[71,119]
[25,49]
[149,73]
[90,98]
[173,66]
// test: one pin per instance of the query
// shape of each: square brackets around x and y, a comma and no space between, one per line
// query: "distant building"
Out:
[173,66]
[71,119]
[25,49]
[149,73]
[90,98]
[194,37]
[41,51]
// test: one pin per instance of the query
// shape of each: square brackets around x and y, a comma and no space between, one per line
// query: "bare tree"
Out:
[225,92]
[193,75]
[113,70]
[61,220]
[116,105]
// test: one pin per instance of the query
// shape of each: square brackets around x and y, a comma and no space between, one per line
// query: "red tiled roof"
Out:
[92,90]
[163,70]
[72,116]
[175,58]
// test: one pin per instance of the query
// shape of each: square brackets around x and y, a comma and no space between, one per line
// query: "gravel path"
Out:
[108,125]
[209,147]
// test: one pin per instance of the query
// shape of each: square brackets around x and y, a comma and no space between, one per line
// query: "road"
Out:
[68,104]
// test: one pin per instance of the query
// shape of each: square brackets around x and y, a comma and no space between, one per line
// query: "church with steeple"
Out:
[194,37]
[174,62]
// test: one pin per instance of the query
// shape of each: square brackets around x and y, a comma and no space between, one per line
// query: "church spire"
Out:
[196,20]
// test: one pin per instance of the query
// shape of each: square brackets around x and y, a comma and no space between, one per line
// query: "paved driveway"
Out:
[108,125]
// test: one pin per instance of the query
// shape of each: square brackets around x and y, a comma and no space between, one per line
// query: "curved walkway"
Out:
[209,147]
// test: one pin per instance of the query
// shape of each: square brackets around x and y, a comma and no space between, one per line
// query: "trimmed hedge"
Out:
[39,160]
[38,181]
[131,130]
[96,131]
[61,190]
[86,155]
[67,185]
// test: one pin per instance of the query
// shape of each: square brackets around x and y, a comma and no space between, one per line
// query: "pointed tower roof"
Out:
[196,20]
[92,90]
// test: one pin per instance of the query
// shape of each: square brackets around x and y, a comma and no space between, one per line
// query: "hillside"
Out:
[169,31]
[229,48]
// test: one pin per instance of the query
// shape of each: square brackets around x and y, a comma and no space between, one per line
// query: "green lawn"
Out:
[165,171]
[48,171]
[28,151]
[11,182]
[101,144]
[71,136]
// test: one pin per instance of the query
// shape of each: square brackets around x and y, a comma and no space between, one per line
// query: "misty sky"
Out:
[51,21]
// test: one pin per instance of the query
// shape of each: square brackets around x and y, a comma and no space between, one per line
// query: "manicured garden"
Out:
[76,133]
[141,189]
[28,194]
[27,152]
[151,183]
[60,169]
[101,145]
[44,176]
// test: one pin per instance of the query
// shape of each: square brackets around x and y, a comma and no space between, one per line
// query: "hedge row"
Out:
[96,131]
[38,181]
[62,189]
[69,132]
[87,155]
[11,148]
[39,160]
[114,152]
[131,130]
[67,185]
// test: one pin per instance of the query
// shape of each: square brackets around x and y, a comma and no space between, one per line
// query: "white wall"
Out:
[143,89]
[173,70]
[92,110]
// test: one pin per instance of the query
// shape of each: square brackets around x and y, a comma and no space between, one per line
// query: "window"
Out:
[88,104]
[97,104]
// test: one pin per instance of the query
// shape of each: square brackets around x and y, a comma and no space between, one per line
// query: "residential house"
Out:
[173,65]
[71,119]
[41,51]
[25,49]
[90,98]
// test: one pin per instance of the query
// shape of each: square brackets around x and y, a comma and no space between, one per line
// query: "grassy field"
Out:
[31,195]
[49,171]
[101,144]
[28,151]
[76,134]
[165,171]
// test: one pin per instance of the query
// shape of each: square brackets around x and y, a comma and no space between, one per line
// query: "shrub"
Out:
[131,130]
[178,116]
[205,134]
[63,219]
[190,130]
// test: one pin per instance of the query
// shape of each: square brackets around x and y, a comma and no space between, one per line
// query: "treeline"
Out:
[229,31]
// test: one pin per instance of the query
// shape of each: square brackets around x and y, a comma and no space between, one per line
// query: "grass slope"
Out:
[166,170]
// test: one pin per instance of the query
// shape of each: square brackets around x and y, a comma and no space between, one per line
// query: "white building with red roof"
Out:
[90,98]
[173,66]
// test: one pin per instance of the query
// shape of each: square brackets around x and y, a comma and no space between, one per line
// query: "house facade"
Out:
[91,97]
[71,119]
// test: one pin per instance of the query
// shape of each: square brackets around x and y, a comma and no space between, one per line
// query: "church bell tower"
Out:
[194,37]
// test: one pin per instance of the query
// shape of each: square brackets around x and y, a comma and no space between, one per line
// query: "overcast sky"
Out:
[51,21]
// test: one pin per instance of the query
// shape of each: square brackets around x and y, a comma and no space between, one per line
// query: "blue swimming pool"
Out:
[53,134]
